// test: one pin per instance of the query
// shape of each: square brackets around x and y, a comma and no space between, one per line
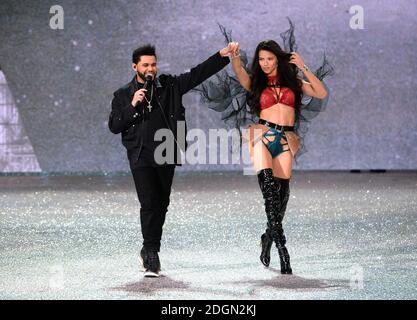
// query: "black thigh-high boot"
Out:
[271,198]
[283,191]
[266,243]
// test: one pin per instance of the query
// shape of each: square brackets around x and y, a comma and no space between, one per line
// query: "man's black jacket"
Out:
[129,121]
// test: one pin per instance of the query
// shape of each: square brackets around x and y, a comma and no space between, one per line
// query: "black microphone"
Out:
[147,84]
[148,81]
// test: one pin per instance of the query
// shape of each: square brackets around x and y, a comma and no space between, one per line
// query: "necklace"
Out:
[272,81]
[149,106]
[273,84]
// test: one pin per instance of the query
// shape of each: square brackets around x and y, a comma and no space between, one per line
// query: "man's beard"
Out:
[143,75]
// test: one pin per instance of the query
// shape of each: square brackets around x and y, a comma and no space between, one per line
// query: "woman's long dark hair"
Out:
[287,76]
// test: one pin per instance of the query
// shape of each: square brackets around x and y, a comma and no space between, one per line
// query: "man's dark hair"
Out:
[146,50]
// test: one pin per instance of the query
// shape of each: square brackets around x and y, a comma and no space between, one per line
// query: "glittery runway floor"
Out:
[350,236]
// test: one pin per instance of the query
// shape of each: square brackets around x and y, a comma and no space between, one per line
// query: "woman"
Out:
[274,94]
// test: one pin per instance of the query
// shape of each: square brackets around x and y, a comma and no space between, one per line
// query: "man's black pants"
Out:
[153,186]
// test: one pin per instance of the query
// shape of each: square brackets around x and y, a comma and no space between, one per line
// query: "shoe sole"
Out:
[151,274]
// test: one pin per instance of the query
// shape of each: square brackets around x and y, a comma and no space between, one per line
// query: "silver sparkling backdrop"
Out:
[62,80]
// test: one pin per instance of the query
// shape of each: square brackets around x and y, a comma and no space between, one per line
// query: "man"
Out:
[139,109]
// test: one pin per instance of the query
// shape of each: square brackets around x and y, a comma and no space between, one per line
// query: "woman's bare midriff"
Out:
[279,114]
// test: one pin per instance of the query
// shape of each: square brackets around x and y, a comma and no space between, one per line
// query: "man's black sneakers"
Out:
[152,265]
[143,259]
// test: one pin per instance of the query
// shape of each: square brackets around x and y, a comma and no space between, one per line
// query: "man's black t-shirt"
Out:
[154,121]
